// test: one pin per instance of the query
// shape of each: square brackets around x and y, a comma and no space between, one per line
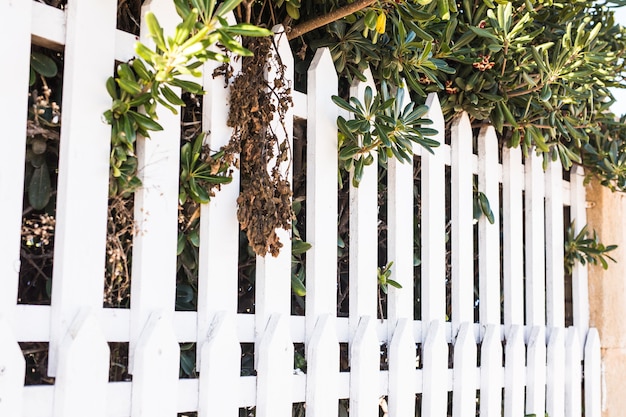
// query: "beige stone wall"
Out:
[607,294]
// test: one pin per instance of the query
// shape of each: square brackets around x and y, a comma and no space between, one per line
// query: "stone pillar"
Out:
[606,214]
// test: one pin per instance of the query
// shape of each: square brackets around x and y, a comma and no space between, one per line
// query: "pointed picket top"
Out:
[323,370]
[462,256]
[400,234]
[512,236]
[536,372]
[402,370]
[555,381]
[534,242]
[464,373]
[83,370]
[321,259]
[15,26]
[219,227]
[555,286]
[12,369]
[275,369]
[364,370]
[491,373]
[488,233]
[573,374]
[514,372]
[593,375]
[433,222]
[435,371]
[155,376]
[220,369]
[363,251]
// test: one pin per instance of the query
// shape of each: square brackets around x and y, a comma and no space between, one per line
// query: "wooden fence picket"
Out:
[464,373]
[489,234]
[219,228]
[593,375]
[83,370]
[512,236]
[12,369]
[219,373]
[363,232]
[155,378]
[435,371]
[321,193]
[555,381]
[83,182]
[273,273]
[555,271]
[536,372]
[402,370]
[153,284]
[15,24]
[491,373]
[400,238]
[364,370]
[462,256]
[534,241]
[275,369]
[433,224]
[573,374]
[514,373]
[323,369]
[580,285]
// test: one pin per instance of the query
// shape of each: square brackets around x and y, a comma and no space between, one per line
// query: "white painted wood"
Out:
[364,370]
[555,282]
[321,193]
[514,372]
[433,220]
[536,372]
[82,192]
[273,274]
[555,381]
[153,284]
[580,288]
[275,369]
[219,373]
[15,27]
[363,251]
[491,373]
[489,234]
[593,375]
[435,372]
[12,368]
[400,237]
[401,399]
[323,369]
[534,242]
[83,370]
[219,228]
[464,374]
[573,374]
[462,258]
[155,378]
[512,236]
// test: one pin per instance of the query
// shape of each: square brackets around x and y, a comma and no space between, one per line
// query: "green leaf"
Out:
[298,246]
[43,64]
[144,121]
[155,30]
[39,188]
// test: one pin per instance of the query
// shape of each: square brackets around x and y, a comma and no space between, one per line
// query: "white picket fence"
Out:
[529,363]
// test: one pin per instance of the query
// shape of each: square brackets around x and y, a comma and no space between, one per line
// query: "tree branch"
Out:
[323,20]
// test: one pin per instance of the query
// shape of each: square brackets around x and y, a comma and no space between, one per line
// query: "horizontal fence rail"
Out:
[443,344]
